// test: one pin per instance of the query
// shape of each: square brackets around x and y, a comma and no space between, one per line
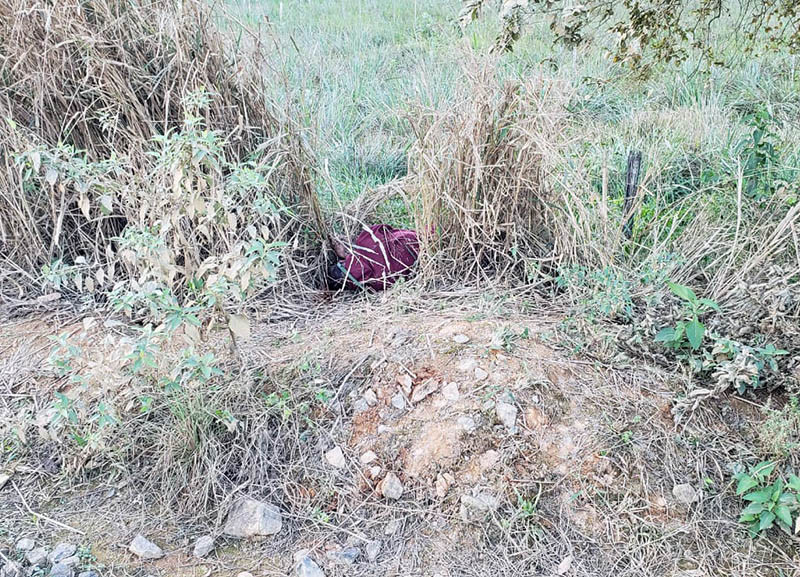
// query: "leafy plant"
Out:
[688,330]
[770,503]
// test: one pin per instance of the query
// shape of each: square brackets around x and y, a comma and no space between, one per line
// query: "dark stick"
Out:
[631,185]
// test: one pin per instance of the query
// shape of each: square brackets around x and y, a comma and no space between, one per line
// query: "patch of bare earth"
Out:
[512,458]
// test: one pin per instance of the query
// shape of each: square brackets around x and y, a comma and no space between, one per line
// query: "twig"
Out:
[42,516]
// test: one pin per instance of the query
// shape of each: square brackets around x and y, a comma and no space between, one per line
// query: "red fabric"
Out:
[381,255]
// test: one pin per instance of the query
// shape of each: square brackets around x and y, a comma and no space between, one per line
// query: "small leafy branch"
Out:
[770,503]
[688,330]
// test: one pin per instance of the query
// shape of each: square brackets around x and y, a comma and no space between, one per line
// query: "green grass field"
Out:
[356,65]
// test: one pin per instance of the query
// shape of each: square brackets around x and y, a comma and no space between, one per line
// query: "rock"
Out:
[488,460]
[507,414]
[374,549]
[11,569]
[62,551]
[375,471]
[37,557]
[89,573]
[244,574]
[336,458]
[534,418]
[564,566]
[405,383]
[443,484]
[460,339]
[25,544]
[424,389]
[308,568]
[145,549]
[61,570]
[391,487]
[392,527]
[399,401]
[684,493]
[450,392]
[71,561]
[467,365]
[467,423]
[480,374]
[476,507]
[250,518]
[346,556]
[370,397]
[360,406]
[203,546]
[368,457]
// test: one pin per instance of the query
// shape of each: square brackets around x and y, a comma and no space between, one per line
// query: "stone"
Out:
[391,487]
[244,574]
[368,457]
[488,460]
[308,568]
[399,401]
[467,423]
[203,546]
[450,392]
[405,382]
[370,397]
[480,374]
[375,471]
[62,551]
[37,557]
[467,365]
[506,414]
[392,527]
[71,561]
[684,493]
[336,457]
[360,406]
[11,569]
[443,484]
[25,544]
[476,507]
[144,548]
[345,556]
[460,339]
[374,549]
[250,518]
[423,390]
[89,573]
[61,570]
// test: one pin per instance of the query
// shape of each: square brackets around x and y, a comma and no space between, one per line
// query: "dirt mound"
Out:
[505,456]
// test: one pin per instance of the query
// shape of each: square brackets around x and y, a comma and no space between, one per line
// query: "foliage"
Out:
[689,330]
[663,30]
[770,503]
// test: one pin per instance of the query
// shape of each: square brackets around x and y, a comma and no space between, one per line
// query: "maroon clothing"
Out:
[380,256]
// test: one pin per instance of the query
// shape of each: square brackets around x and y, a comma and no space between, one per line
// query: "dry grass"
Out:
[140,119]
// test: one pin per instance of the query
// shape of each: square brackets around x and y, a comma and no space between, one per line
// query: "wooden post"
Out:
[631,185]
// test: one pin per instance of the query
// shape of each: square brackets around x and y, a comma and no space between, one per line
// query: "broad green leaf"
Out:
[763,469]
[784,515]
[746,483]
[710,304]
[665,335]
[762,496]
[682,291]
[753,509]
[767,518]
[794,483]
[787,499]
[694,332]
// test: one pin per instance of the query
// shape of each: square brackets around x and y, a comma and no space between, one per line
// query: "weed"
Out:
[770,503]
[688,330]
